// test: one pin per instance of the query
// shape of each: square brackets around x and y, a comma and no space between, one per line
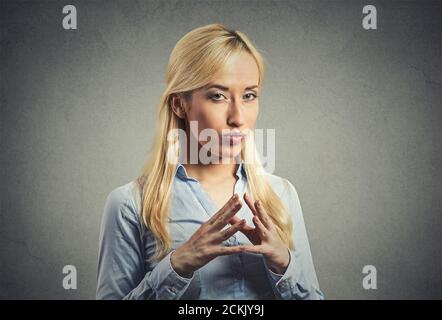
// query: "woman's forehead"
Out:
[240,69]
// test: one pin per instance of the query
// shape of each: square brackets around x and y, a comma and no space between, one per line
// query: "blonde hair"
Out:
[195,58]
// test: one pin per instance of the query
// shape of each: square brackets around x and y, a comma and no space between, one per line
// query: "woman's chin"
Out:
[231,152]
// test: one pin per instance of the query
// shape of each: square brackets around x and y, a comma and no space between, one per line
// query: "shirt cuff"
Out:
[289,285]
[169,284]
[276,276]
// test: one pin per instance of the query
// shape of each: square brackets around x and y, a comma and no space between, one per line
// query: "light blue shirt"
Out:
[125,245]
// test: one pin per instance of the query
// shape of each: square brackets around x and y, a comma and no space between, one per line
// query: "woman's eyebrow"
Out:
[221,87]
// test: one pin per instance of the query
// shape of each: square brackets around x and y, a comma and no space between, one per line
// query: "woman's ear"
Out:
[178,105]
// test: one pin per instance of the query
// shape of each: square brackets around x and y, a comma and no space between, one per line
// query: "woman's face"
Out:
[228,106]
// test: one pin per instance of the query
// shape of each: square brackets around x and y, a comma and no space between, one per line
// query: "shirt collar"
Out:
[181,172]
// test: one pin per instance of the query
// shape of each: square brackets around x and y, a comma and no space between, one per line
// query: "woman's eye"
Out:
[251,96]
[219,96]
[216,96]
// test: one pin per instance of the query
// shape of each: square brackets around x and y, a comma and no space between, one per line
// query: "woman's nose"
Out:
[235,115]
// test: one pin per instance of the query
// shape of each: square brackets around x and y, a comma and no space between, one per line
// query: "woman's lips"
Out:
[233,139]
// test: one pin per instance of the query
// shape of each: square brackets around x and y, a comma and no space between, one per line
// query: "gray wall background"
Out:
[357,116]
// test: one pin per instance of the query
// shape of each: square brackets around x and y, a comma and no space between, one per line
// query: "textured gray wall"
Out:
[357,116]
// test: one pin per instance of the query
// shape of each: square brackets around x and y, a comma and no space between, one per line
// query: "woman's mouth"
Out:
[233,138]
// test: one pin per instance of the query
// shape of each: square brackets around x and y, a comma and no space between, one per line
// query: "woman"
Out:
[200,222]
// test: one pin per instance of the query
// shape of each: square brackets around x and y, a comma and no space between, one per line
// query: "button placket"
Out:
[173,289]
[204,198]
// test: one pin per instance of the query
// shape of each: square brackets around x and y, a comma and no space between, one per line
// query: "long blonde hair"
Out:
[195,58]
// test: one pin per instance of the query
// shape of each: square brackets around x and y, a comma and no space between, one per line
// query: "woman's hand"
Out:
[264,237]
[206,243]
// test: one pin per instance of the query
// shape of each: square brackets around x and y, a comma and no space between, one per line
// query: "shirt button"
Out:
[173,289]
[230,242]
[284,285]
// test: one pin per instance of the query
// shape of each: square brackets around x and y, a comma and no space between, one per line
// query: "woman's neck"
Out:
[211,173]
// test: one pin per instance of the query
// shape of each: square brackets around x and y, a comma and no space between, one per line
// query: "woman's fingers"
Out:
[263,216]
[223,250]
[258,210]
[246,227]
[227,233]
[234,220]
[224,218]
[248,231]
[262,230]
[250,203]
[227,205]
[253,248]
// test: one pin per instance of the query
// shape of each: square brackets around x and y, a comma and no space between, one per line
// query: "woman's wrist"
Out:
[178,266]
[280,268]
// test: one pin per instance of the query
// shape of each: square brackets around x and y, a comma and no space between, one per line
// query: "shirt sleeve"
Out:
[299,281]
[122,273]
